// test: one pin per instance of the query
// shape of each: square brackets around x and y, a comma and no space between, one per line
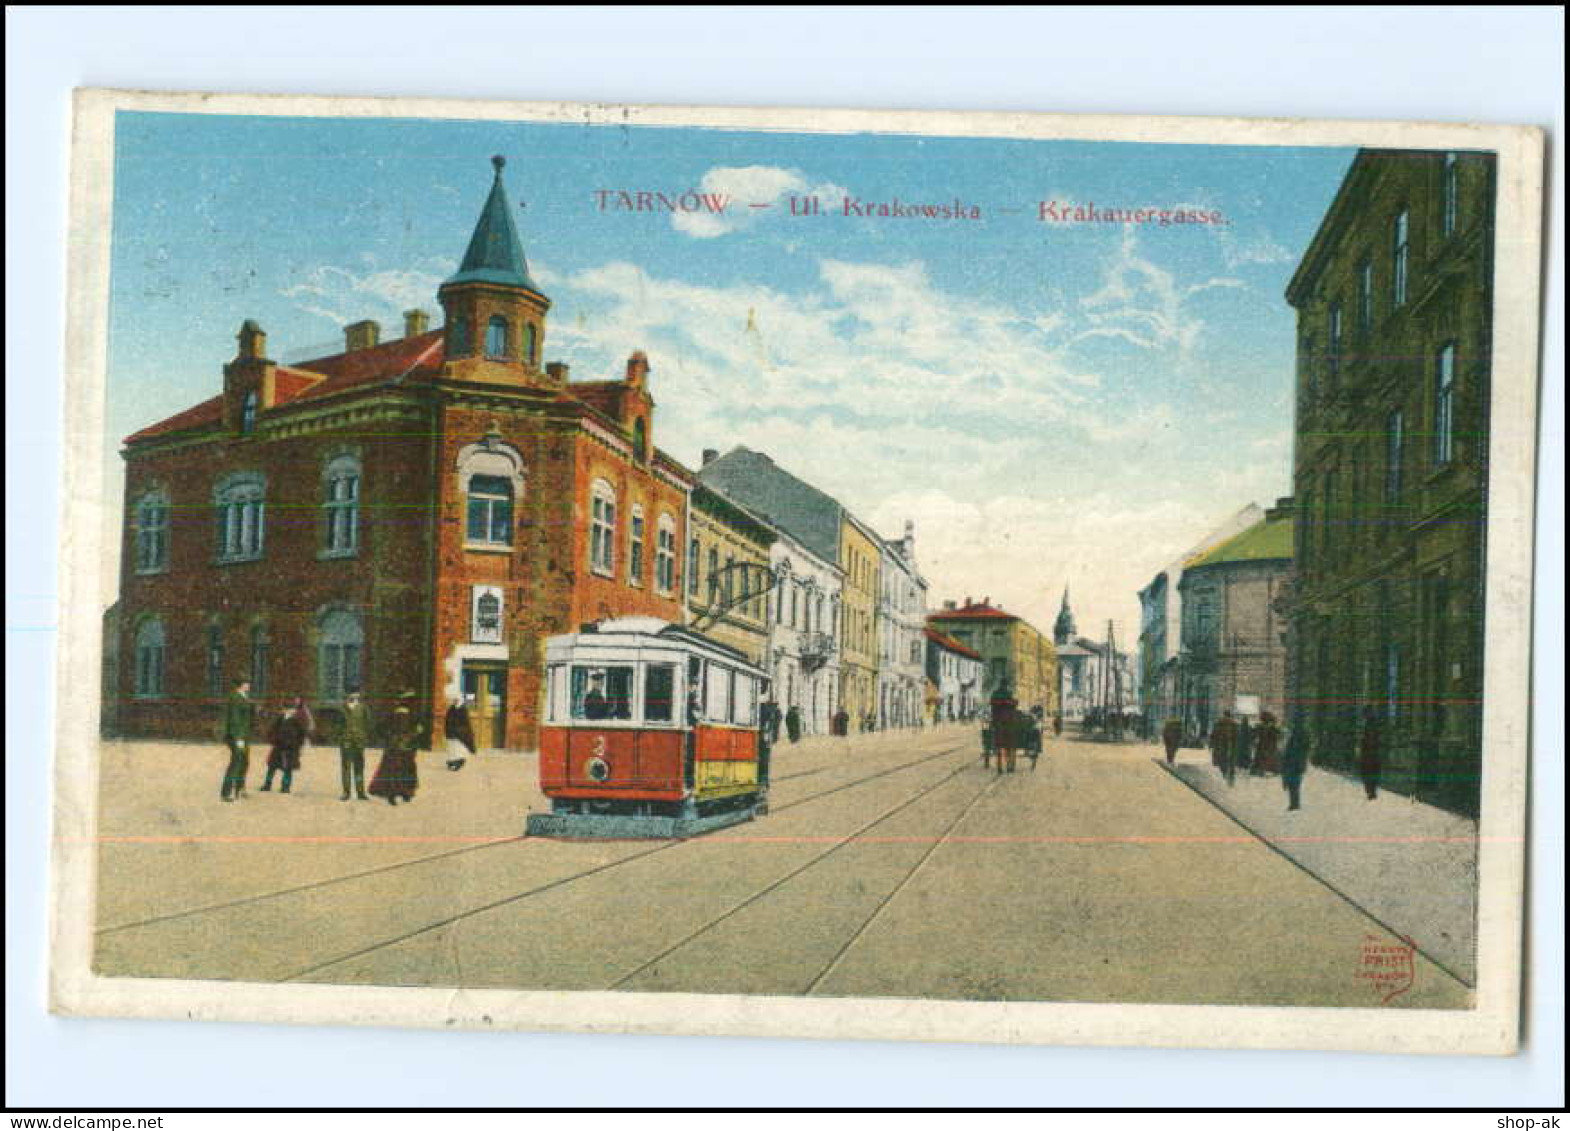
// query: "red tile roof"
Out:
[208,412]
[945,641]
[971,612]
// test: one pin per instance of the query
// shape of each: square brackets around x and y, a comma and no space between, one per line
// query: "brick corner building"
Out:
[415,513]
[1395,312]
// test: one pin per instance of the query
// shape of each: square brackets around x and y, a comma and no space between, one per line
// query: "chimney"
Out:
[710,455]
[637,369]
[557,371]
[253,341]
[948,606]
[361,335]
[415,323]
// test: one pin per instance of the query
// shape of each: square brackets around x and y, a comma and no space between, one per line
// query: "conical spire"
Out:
[495,253]
[1063,631]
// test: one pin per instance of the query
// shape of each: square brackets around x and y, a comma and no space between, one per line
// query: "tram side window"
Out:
[659,693]
[602,691]
[717,700]
[744,712]
[556,688]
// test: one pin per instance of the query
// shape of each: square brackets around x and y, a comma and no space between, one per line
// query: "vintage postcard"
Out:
[990,577]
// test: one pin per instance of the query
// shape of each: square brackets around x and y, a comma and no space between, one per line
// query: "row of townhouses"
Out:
[1360,599]
[423,512]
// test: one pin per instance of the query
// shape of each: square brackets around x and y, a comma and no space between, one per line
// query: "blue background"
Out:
[1499,64]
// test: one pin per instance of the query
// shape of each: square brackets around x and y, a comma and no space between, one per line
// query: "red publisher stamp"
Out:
[1388,967]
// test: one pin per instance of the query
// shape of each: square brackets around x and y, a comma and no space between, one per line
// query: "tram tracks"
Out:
[665,846]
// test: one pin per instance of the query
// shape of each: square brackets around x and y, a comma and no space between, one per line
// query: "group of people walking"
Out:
[1237,745]
[397,774]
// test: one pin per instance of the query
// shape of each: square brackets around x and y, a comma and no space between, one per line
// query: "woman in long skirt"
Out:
[460,734]
[396,776]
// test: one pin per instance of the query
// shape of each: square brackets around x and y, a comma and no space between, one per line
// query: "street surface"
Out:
[889,865]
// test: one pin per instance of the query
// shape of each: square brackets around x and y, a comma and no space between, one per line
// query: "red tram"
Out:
[651,730]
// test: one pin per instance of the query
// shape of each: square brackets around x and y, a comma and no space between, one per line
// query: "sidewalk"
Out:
[1409,865]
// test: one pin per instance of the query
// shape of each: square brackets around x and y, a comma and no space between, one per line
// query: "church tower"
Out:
[495,313]
[1063,630]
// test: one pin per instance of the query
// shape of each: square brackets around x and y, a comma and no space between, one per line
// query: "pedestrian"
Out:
[352,740]
[1370,754]
[769,720]
[1057,724]
[460,733]
[793,724]
[1294,763]
[842,723]
[765,750]
[1172,737]
[1223,738]
[1032,741]
[239,719]
[1243,754]
[1005,728]
[397,777]
[287,735]
[1267,741]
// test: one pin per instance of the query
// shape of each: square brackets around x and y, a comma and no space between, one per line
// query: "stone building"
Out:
[1394,305]
[804,633]
[860,559]
[1159,626]
[901,622]
[955,674]
[1233,655]
[1014,653]
[722,536]
[418,513]
[1092,674]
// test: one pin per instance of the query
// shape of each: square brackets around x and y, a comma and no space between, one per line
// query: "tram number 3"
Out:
[597,767]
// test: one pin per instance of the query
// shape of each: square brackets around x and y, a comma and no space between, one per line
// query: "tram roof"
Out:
[666,631]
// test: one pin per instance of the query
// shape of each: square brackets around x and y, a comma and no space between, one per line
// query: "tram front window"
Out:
[602,692]
[659,693]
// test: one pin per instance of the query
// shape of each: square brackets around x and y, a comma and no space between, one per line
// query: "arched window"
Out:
[496,337]
[152,532]
[341,506]
[635,547]
[489,511]
[665,555]
[339,655]
[640,439]
[241,506]
[149,654]
[531,343]
[458,338]
[602,529]
[248,413]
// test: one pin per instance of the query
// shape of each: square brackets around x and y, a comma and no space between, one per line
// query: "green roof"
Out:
[1269,540]
[495,253]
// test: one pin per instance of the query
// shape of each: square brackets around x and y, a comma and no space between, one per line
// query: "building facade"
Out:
[860,559]
[417,514]
[804,634]
[1015,655]
[1160,632]
[954,678]
[728,604]
[1234,654]
[1094,676]
[1394,304]
[901,624]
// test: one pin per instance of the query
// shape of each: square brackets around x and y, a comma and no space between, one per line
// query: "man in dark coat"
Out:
[769,720]
[397,776]
[460,734]
[1294,763]
[1223,738]
[239,719]
[288,735]
[352,740]
[1370,753]
[1243,753]
[1005,728]
[1172,738]
[842,723]
[793,723]
[1057,724]
[1267,741]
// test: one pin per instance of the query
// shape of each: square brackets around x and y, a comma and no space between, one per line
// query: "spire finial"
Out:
[500,163]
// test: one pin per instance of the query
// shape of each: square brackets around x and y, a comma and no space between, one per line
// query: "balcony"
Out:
[817,648]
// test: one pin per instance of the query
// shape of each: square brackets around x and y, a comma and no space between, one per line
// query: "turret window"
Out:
[248,413]
[531,344]
[496,338]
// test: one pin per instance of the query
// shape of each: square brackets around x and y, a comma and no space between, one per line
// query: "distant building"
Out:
[723,534]
[804,652]
[1159,626]
[1091,674]
[901,622]
[955,674]
[1234,655]
[1394,299]
[1015,654]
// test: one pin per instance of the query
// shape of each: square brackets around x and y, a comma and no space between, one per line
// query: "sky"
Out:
[1053,404]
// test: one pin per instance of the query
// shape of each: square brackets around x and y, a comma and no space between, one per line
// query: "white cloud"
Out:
[342,296]
[746,190]
[1145,305]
